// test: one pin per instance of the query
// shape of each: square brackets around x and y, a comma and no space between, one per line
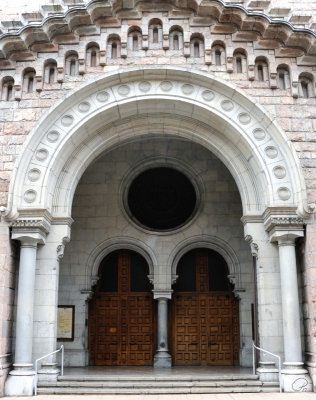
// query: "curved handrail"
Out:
[264,353]
[47,355]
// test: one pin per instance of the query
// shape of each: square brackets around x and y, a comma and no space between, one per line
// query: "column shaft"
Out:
[25,303]
[290,302]
[162,325]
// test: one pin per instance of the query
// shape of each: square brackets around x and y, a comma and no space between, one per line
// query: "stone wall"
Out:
[293,110]
[99,216]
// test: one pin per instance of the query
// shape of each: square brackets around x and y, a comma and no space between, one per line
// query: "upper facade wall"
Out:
[272,63]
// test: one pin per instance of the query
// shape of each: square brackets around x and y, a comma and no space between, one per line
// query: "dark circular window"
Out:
[161,198]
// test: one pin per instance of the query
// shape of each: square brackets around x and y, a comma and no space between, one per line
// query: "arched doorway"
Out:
[121,317]
[205,312]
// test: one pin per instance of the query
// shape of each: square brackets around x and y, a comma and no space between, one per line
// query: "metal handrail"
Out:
[47,355]
[264,353]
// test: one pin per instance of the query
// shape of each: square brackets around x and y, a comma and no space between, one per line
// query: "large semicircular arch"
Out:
[176,102]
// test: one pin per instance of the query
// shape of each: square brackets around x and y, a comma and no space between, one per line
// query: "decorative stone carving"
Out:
[31,223]
[259,134]
[187,88]
[67,120]
[207,95]
[253,246]
[279,172]
[41,154]
[244,118]
[53,136]
[166,86]
[102,97]
[61,248]
[34,174]
[144,86]
[30,196]
[227,105]
[84,107]
[123,90]
[271,151]
[284,193]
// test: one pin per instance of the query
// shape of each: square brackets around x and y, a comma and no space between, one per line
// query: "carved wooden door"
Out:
[205,322]
[121,318]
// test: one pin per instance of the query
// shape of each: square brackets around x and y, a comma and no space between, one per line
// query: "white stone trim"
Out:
[156,100]
[116,243]
[213,243]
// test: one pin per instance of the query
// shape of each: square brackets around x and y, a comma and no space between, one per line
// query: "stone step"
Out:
[142,378]
[167,390]
[151,384]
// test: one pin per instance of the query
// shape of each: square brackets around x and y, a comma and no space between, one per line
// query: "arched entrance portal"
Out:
[205,312]
[121,317]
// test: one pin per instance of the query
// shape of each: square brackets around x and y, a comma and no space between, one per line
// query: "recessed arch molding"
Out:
[138,102]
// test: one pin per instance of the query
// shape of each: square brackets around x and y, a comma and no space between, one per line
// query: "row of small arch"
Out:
[29,83]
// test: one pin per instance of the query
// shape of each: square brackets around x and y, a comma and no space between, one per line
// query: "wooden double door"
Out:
[121,313]
[205,322]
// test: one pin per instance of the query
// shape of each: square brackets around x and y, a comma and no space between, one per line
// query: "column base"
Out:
[48,372]
[267,371]
[162,359]
[296,378]
[20,381]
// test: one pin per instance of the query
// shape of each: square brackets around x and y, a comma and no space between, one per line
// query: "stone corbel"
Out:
[94,280]
[82,66]
[229,65]
[174,278]
[61,248]
[295,89]
[165,42]
[60,74]
[253,246]
[145,42]
[102,61]
[186,49]
[208,56]
[17,92]
[123,49]
[251,72]
[38,83]
[151,278]
[88,294]
[273,82]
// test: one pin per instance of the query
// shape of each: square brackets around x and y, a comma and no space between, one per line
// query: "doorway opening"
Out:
[205,312]
[121,312]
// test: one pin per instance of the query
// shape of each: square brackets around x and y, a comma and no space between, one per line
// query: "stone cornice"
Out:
[31,224]
[66,22]
[283,224]
[282,219]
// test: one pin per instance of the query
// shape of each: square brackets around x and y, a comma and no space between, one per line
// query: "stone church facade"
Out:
[158,171]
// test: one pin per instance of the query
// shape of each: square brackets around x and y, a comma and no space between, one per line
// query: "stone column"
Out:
[290,302]
[284,231]
[46,298]
[21,379]
[162,358]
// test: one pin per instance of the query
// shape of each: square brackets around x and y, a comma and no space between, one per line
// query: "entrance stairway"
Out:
[244,383]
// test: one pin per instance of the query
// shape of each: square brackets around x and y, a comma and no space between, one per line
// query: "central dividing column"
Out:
[162,358]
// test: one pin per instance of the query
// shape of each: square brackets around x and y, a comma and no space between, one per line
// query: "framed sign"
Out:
[66,323]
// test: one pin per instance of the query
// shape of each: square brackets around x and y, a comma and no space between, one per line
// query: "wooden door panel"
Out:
[205,324]
[121,323]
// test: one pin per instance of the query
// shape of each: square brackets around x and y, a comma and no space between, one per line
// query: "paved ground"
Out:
[230,396]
